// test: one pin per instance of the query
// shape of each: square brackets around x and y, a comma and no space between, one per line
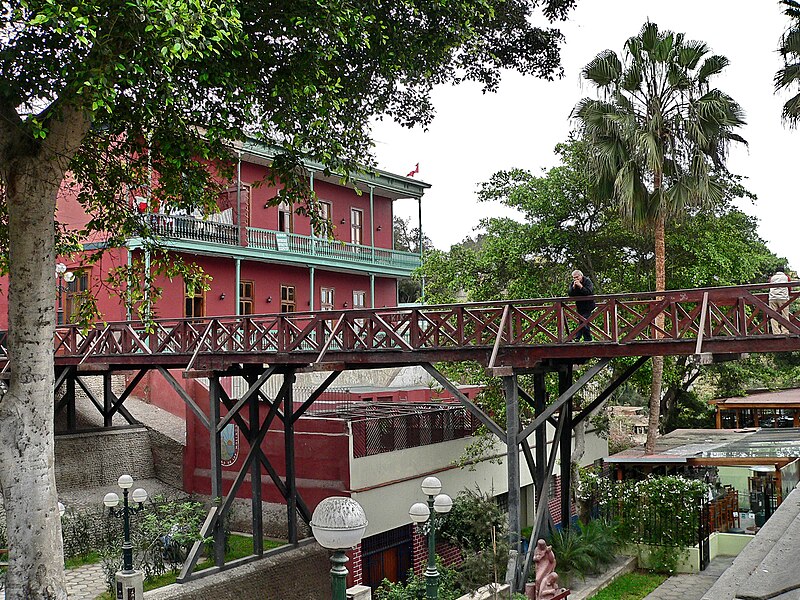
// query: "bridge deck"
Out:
[518,334]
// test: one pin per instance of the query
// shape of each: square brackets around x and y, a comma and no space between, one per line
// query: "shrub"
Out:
[414,588]
[584,550]
[161,535]
[477,526]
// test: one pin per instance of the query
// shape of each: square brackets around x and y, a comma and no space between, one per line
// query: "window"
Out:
[285,222]
[325,215]
[358,299]
[246,297]
[194,303]
[326,299]
[288,301]
[356,222]
[75,297]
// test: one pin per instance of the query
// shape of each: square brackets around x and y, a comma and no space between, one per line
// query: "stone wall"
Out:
[167,456]
[298,574]
[98,458]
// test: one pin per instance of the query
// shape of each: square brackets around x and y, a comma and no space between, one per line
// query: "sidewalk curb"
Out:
[601,581]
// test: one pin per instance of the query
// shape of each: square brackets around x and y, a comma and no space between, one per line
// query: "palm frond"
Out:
[632,78]
[792,8]
[691,53]
[604,69]
[648,37]
[710,67]
[790,42]
[791,110]
[787,76]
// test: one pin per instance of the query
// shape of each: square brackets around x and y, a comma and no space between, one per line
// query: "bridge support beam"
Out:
[512,458]
[565,449]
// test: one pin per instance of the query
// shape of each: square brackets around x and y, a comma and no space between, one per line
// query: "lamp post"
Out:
[62,276]
[127,578]
[338,524]
[420,513]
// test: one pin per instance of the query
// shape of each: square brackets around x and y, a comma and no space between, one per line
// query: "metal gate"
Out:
[387,555]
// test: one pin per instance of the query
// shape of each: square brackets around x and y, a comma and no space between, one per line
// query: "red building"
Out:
[261,258]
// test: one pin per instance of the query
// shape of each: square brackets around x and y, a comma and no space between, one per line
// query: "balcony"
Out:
[189,234]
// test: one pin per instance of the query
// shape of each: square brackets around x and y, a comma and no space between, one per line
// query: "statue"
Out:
[546,586]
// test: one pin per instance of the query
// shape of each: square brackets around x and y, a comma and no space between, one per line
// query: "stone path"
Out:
[83,583]
[691,586]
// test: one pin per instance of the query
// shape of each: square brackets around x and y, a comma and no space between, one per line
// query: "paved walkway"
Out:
[83,583]
[694,586]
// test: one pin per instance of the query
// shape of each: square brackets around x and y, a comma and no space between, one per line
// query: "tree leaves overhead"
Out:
[169,84]
[788,78]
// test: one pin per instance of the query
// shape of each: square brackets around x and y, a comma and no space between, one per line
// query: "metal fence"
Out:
[373,436]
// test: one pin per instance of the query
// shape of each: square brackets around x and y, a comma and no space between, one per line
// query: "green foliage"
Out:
[584,550]
[788,77]
[631,586]
[470,522]
[477,526]
[414,588]
[161,534]
[662,512]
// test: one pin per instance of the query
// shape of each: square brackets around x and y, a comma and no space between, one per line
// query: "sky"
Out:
[475,135]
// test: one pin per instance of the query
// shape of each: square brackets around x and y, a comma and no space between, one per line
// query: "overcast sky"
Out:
[475,135]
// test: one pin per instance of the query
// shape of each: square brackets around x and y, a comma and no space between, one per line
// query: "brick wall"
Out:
[111,453]
[298,574]
[554,503]
[355,566]
[450,555]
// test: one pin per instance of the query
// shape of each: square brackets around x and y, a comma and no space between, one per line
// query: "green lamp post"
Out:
[111,500]
[338,524]
[420,513]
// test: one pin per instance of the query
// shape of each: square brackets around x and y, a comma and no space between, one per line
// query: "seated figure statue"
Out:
[547,587]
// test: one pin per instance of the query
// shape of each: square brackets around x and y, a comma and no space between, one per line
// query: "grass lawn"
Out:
[631,586]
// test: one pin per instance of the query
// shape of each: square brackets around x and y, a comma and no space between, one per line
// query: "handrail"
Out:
[489,332]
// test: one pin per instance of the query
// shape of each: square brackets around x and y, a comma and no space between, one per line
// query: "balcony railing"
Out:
[279,242]
[189,228]
[292,243]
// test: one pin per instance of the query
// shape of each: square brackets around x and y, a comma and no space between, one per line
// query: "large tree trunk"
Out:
[34,172]
[658,361]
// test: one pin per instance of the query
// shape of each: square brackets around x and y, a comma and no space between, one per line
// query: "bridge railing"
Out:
[682,315]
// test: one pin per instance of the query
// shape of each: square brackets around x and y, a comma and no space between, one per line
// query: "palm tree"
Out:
[657,134]
[789,75]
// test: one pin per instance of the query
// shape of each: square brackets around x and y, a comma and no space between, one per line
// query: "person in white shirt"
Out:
[779,301]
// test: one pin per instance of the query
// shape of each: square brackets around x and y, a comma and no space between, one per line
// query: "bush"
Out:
[414,588]
[477,526]
[161,534]
[584,550]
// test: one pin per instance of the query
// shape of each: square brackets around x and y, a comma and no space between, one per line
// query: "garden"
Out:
[161,534]
[656,519]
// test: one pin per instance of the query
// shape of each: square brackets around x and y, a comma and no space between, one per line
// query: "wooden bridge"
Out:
[517,334]
[509,338]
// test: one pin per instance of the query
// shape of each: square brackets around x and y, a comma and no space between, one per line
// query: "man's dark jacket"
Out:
[584,306]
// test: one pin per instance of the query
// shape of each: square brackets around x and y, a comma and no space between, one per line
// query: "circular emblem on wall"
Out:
[229,444]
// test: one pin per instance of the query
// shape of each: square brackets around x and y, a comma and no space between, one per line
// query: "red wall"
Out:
[322,452]
[342,199]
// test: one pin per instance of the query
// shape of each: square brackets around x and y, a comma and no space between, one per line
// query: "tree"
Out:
[658,135]
[789,76]
[407,239]
[144,96]
[566,224]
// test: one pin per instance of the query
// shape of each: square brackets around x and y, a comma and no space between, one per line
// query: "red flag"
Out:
[414,171]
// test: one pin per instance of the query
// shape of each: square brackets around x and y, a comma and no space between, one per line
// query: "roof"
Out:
[783,398]
[388,184]
[706,445]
